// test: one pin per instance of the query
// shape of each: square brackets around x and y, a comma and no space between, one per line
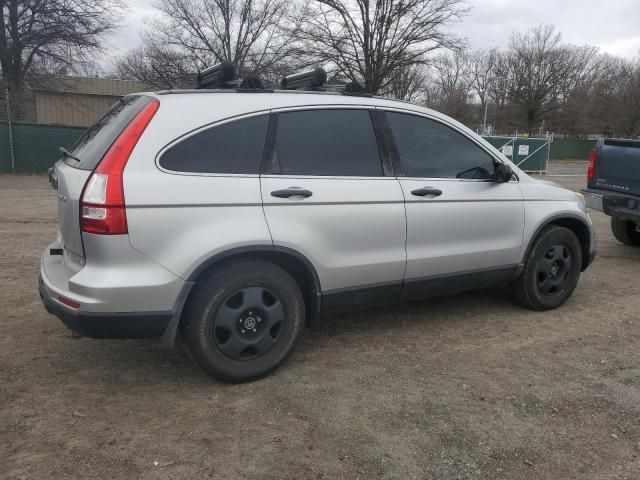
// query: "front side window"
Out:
[327,143]
[234,147]
[430,149]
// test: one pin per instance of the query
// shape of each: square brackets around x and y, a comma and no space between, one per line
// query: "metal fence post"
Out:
[12,153]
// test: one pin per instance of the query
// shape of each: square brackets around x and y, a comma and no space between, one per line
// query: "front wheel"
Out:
[625,231]
[551,270]
[244,320]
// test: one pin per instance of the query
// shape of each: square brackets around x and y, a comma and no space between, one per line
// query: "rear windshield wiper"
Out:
[67,153]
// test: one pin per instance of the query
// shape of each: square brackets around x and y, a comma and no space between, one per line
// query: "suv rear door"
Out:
[460,222]
[69,175]
[326,195]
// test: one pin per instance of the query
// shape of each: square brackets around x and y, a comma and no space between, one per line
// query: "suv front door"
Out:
[463,228]
[325,195]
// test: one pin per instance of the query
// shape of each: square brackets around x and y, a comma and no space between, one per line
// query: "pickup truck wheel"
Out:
[551,270]
[244,320]
[625,231]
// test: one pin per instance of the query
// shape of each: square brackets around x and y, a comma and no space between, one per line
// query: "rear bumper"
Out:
[107,325]
[119,293]
[613,204]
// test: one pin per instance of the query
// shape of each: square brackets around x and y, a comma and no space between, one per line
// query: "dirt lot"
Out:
[464,387]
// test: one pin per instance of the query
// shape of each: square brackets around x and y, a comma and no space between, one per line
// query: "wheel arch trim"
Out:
[168,339]
[553,220]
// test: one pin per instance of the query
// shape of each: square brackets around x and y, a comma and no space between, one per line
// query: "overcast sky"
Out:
[612,25]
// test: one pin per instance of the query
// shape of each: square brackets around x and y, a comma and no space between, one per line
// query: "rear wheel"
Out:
[551,270]
[244,320]
[625,231]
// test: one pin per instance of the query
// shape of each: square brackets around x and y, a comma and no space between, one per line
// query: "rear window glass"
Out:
[96,140]
[326,142]
[234,147]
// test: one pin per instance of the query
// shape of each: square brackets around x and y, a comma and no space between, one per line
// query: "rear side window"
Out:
[326,142]
[96,140]
[234,147]
[430,149]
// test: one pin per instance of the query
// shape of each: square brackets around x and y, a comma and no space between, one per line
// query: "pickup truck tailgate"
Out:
[617,166]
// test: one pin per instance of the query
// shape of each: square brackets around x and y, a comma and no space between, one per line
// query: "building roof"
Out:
[89,85]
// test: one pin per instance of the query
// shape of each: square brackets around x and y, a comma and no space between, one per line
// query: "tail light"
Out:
[102,205]
[593,160]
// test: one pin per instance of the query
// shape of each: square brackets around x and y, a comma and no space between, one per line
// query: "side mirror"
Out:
[504,173]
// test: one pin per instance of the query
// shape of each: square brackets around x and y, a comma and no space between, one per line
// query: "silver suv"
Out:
[236,218]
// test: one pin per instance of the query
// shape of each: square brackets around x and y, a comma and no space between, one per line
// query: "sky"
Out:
[611,25]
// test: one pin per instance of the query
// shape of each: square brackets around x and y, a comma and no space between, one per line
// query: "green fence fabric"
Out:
[35,146]
[571,149]
[530,154]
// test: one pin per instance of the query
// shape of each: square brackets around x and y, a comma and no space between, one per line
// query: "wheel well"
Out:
[298,268]
[582,232]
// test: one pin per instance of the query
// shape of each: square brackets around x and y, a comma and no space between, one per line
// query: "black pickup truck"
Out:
[613,186]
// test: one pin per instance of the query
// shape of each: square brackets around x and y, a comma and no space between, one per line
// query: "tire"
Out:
[244,320]
[625,231]
[551,269]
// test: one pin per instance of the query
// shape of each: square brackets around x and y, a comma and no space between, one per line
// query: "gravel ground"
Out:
[463,387]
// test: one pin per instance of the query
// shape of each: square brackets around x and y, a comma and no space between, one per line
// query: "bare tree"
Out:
[47,35]
[162,68]
[542,70]
[483,71]
[576,91]
[453,80]
[618,99]
[248,33]
[372,41]
[408,84]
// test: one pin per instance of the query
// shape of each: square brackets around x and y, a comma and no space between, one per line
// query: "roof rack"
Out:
[309,80]
[222,76]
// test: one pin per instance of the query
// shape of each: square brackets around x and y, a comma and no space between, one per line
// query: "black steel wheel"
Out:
[248,323]
[551,269]
[243,320]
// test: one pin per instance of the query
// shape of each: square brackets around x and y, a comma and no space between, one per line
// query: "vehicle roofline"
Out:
[189,91]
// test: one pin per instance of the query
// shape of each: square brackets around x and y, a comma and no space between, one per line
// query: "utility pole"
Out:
[484,122]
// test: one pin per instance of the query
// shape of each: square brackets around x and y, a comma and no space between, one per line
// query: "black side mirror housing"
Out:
[504,173]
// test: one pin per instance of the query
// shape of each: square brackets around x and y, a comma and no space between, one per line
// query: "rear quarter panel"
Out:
[181,220]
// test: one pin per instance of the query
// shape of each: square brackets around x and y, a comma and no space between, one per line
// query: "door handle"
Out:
[427,191]
[292,192]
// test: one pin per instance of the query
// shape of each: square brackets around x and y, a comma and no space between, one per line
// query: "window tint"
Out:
[234,147]
[326,142]
[96,140]
[430,149]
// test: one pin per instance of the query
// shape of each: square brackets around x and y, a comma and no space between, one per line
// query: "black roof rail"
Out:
[221,75]
[309,80]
